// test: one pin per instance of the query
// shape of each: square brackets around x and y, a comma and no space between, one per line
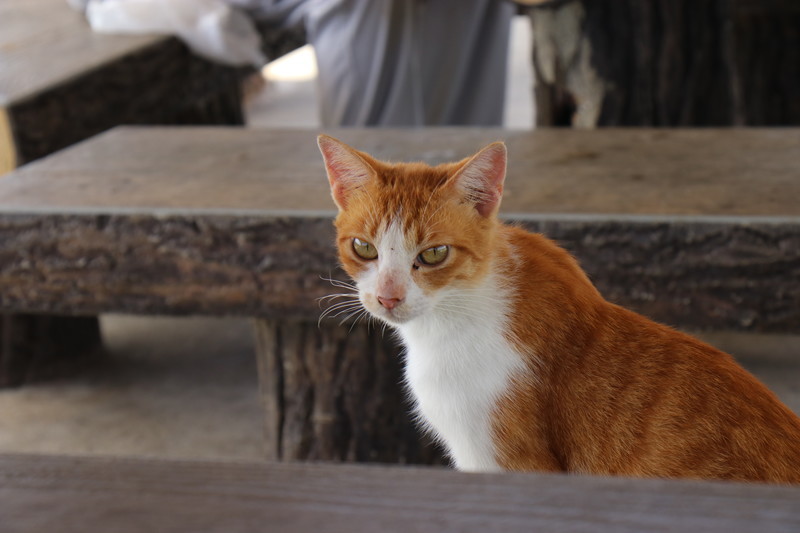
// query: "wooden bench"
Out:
[41,493]
[698,228]
[60,83]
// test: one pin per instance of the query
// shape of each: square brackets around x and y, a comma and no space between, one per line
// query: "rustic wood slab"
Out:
[60,82]
[42,493]
[619,172]
[699,228]
[34,32]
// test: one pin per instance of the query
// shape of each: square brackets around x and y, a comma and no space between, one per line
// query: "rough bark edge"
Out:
[710,275]
[333,392]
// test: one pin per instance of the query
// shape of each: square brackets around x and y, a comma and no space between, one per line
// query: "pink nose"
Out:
[389,303]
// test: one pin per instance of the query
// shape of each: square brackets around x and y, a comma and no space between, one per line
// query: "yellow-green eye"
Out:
[364,250]
[434,256]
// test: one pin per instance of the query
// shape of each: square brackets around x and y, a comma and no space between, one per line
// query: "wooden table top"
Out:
[697,172]
[691,227]
[45,42]
[46,493]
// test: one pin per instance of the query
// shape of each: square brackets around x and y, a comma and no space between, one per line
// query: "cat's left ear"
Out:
[481,178]
[347,171]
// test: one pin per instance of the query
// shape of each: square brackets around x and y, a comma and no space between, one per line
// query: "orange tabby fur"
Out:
[606,391]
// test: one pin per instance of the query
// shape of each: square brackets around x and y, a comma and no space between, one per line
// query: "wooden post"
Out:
[334,393]
[666,62]
[39,346]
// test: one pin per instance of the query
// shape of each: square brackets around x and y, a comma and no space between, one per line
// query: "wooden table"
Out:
[693,227]
[699,228]
[42,493]
[61,83]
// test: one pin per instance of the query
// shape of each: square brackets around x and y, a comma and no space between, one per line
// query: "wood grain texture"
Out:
[332,393]
[224,221]
[99,80]
[162,83]
[42,493]
[32,31]
[704,274]
[742,172]
[666,63]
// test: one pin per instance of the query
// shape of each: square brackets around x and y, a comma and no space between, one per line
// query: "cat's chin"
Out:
[393,318]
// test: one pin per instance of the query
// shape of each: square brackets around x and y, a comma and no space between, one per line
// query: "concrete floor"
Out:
[187,387]
[169,387]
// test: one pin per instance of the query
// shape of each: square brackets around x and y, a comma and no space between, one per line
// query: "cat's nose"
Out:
[389,303]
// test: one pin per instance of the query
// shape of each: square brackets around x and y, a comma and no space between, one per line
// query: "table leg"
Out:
[334,393]
[34,347]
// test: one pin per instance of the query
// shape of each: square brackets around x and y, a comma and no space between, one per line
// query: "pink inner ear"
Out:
[482,178]
[346,170]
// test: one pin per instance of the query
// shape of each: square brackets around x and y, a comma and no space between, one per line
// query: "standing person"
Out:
[403,62]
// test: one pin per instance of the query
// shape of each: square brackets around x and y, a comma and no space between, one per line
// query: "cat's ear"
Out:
[346,169]
[480,179]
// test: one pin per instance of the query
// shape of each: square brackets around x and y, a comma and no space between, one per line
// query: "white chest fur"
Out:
[458,364]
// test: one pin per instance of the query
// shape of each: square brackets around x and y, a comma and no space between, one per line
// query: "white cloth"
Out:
[211,28]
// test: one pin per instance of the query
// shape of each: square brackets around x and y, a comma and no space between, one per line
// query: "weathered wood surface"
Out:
[99,81]
[96,82]
[667,62]
[333,392]
[43,493]
[720,172]
[34,32]
[226,221]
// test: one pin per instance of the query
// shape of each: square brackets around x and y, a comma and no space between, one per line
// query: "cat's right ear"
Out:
[480,179]
[347,171]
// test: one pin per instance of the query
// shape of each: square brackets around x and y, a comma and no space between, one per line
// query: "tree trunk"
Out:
[334,393]
[667,62]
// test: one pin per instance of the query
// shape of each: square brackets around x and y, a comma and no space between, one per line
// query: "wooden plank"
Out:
[41,493]
[745,172]
[32,31]
[695,274]
[224,221]
[99,80]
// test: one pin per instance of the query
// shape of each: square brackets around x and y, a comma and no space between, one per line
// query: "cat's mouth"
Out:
[395,316]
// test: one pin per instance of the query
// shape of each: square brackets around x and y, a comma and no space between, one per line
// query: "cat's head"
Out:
[411,235]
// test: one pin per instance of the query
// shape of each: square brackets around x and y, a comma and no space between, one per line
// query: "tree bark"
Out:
[666,62]
[334,393]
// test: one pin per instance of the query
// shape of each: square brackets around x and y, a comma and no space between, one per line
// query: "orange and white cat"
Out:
[514,359]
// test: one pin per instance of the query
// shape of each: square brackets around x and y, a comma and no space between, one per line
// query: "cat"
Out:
[514,359]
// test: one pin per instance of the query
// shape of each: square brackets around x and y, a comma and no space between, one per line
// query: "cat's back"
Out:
[669,405]
[632,396]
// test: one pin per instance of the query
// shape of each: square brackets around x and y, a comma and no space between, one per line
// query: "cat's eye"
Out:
[434,256]
[364,250]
